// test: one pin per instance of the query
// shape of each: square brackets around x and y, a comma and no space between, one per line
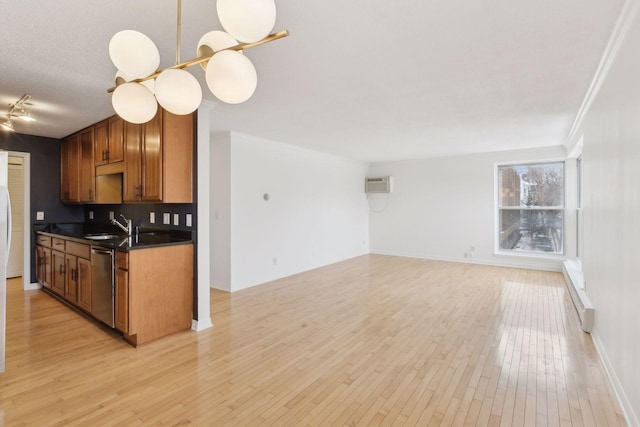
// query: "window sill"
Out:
[530,255]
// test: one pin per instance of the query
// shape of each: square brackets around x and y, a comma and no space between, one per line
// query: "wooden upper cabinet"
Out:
[87,170]
[159,159]
[115,149]
[101,139]
[70,169]
[109,141]
[132,185]
[177,146]
[151,157]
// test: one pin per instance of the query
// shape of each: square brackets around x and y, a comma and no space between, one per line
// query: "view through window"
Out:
[531,207]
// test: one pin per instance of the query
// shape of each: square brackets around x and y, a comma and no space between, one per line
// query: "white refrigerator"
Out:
[5,242]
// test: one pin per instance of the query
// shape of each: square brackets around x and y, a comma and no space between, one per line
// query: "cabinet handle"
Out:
[91,195]
[107,155]
[61,269]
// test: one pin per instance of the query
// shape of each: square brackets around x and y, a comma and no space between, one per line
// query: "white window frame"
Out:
[498,209]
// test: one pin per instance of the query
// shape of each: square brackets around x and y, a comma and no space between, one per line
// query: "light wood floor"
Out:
[371,341]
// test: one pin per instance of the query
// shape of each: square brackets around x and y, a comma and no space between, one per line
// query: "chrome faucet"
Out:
[127,229]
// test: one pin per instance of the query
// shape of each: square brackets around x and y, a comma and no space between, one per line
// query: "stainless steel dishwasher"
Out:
[102,284]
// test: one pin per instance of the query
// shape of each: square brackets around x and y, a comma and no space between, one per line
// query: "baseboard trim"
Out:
[544,266]
[201,325]
[31,286]
[625,405]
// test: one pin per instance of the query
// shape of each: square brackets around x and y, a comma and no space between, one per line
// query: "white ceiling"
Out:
[368,79]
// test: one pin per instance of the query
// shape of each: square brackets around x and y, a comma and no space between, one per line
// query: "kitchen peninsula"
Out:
[140,285]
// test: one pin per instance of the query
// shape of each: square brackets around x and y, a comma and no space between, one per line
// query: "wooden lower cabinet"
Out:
[65,270]
[43,266]
[58,275]
[84,283]
[154,295]
[122,300]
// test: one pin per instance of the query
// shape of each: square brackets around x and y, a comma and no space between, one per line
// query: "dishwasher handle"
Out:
[101,251]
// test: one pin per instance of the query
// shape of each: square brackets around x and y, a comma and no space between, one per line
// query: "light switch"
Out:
[152,217]
[90,214]
[176,219]
[188,220]
[40,216]
[112,215]
[166,218]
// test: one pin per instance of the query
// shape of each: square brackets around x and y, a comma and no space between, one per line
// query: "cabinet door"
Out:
[59,272]
[87,171]
[40,264]
[71,269]
[83,276]
[48,268]
[152,159]
[101,142]
[69,169]
[132,190]
[115,149]
[122,301]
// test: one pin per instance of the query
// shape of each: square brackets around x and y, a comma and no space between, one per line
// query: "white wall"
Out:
[316,213]
[221,211]
[611,262]
[442,207]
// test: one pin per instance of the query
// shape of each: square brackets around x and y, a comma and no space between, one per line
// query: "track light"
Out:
[8,125]
[230,75]
[17,111]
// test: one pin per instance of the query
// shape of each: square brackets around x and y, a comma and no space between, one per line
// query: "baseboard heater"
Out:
[574,281]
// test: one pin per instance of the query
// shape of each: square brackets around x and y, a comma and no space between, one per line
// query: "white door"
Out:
[16,192]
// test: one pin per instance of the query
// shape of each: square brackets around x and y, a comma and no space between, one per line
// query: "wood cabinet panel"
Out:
[43,266]
[70,169]
[58,275]
[87,170]
[132,191]
[83,277]
[101,142]
[121,320]
[71,278]
[177,146]
[116,140]
[151,156]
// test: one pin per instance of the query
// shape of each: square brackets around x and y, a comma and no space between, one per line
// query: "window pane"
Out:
[531,185]
[531,230]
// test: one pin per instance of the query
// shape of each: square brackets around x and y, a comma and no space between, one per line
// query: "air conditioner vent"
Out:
[383,184]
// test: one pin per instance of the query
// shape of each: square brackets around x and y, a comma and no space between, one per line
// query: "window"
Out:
[531,207]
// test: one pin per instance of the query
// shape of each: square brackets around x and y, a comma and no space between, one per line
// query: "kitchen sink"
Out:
[103,236]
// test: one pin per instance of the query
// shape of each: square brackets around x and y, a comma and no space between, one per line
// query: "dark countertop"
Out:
[145,238]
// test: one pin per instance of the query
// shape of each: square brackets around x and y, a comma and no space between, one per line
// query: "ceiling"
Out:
[372,80]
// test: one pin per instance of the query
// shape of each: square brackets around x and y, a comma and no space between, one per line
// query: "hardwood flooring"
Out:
[375,340]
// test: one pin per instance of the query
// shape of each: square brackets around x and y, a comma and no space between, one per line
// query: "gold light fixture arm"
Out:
[204,58]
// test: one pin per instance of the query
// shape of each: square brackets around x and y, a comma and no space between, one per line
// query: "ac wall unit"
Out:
[383,184]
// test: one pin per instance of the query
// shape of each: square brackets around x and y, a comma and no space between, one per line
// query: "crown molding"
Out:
[620,30]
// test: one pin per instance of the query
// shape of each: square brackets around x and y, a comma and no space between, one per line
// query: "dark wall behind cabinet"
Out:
[45,181]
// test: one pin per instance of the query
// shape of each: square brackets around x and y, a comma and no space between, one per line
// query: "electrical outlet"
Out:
[176,219]
[473,248]
[112,215]
[275,261]
[152,217]
[188,220]
[90,214]
[166,218]
[40,216]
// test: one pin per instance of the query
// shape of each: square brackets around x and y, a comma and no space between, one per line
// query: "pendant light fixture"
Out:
[230,75]
[18,111]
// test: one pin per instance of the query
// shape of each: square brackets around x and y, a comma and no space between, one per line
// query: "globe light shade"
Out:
[123,78]
[231,77]
[134,54]
[178,91]
[134,103]
[214,41]
[247,20]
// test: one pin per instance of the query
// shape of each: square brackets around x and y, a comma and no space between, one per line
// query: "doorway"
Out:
[20,193]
